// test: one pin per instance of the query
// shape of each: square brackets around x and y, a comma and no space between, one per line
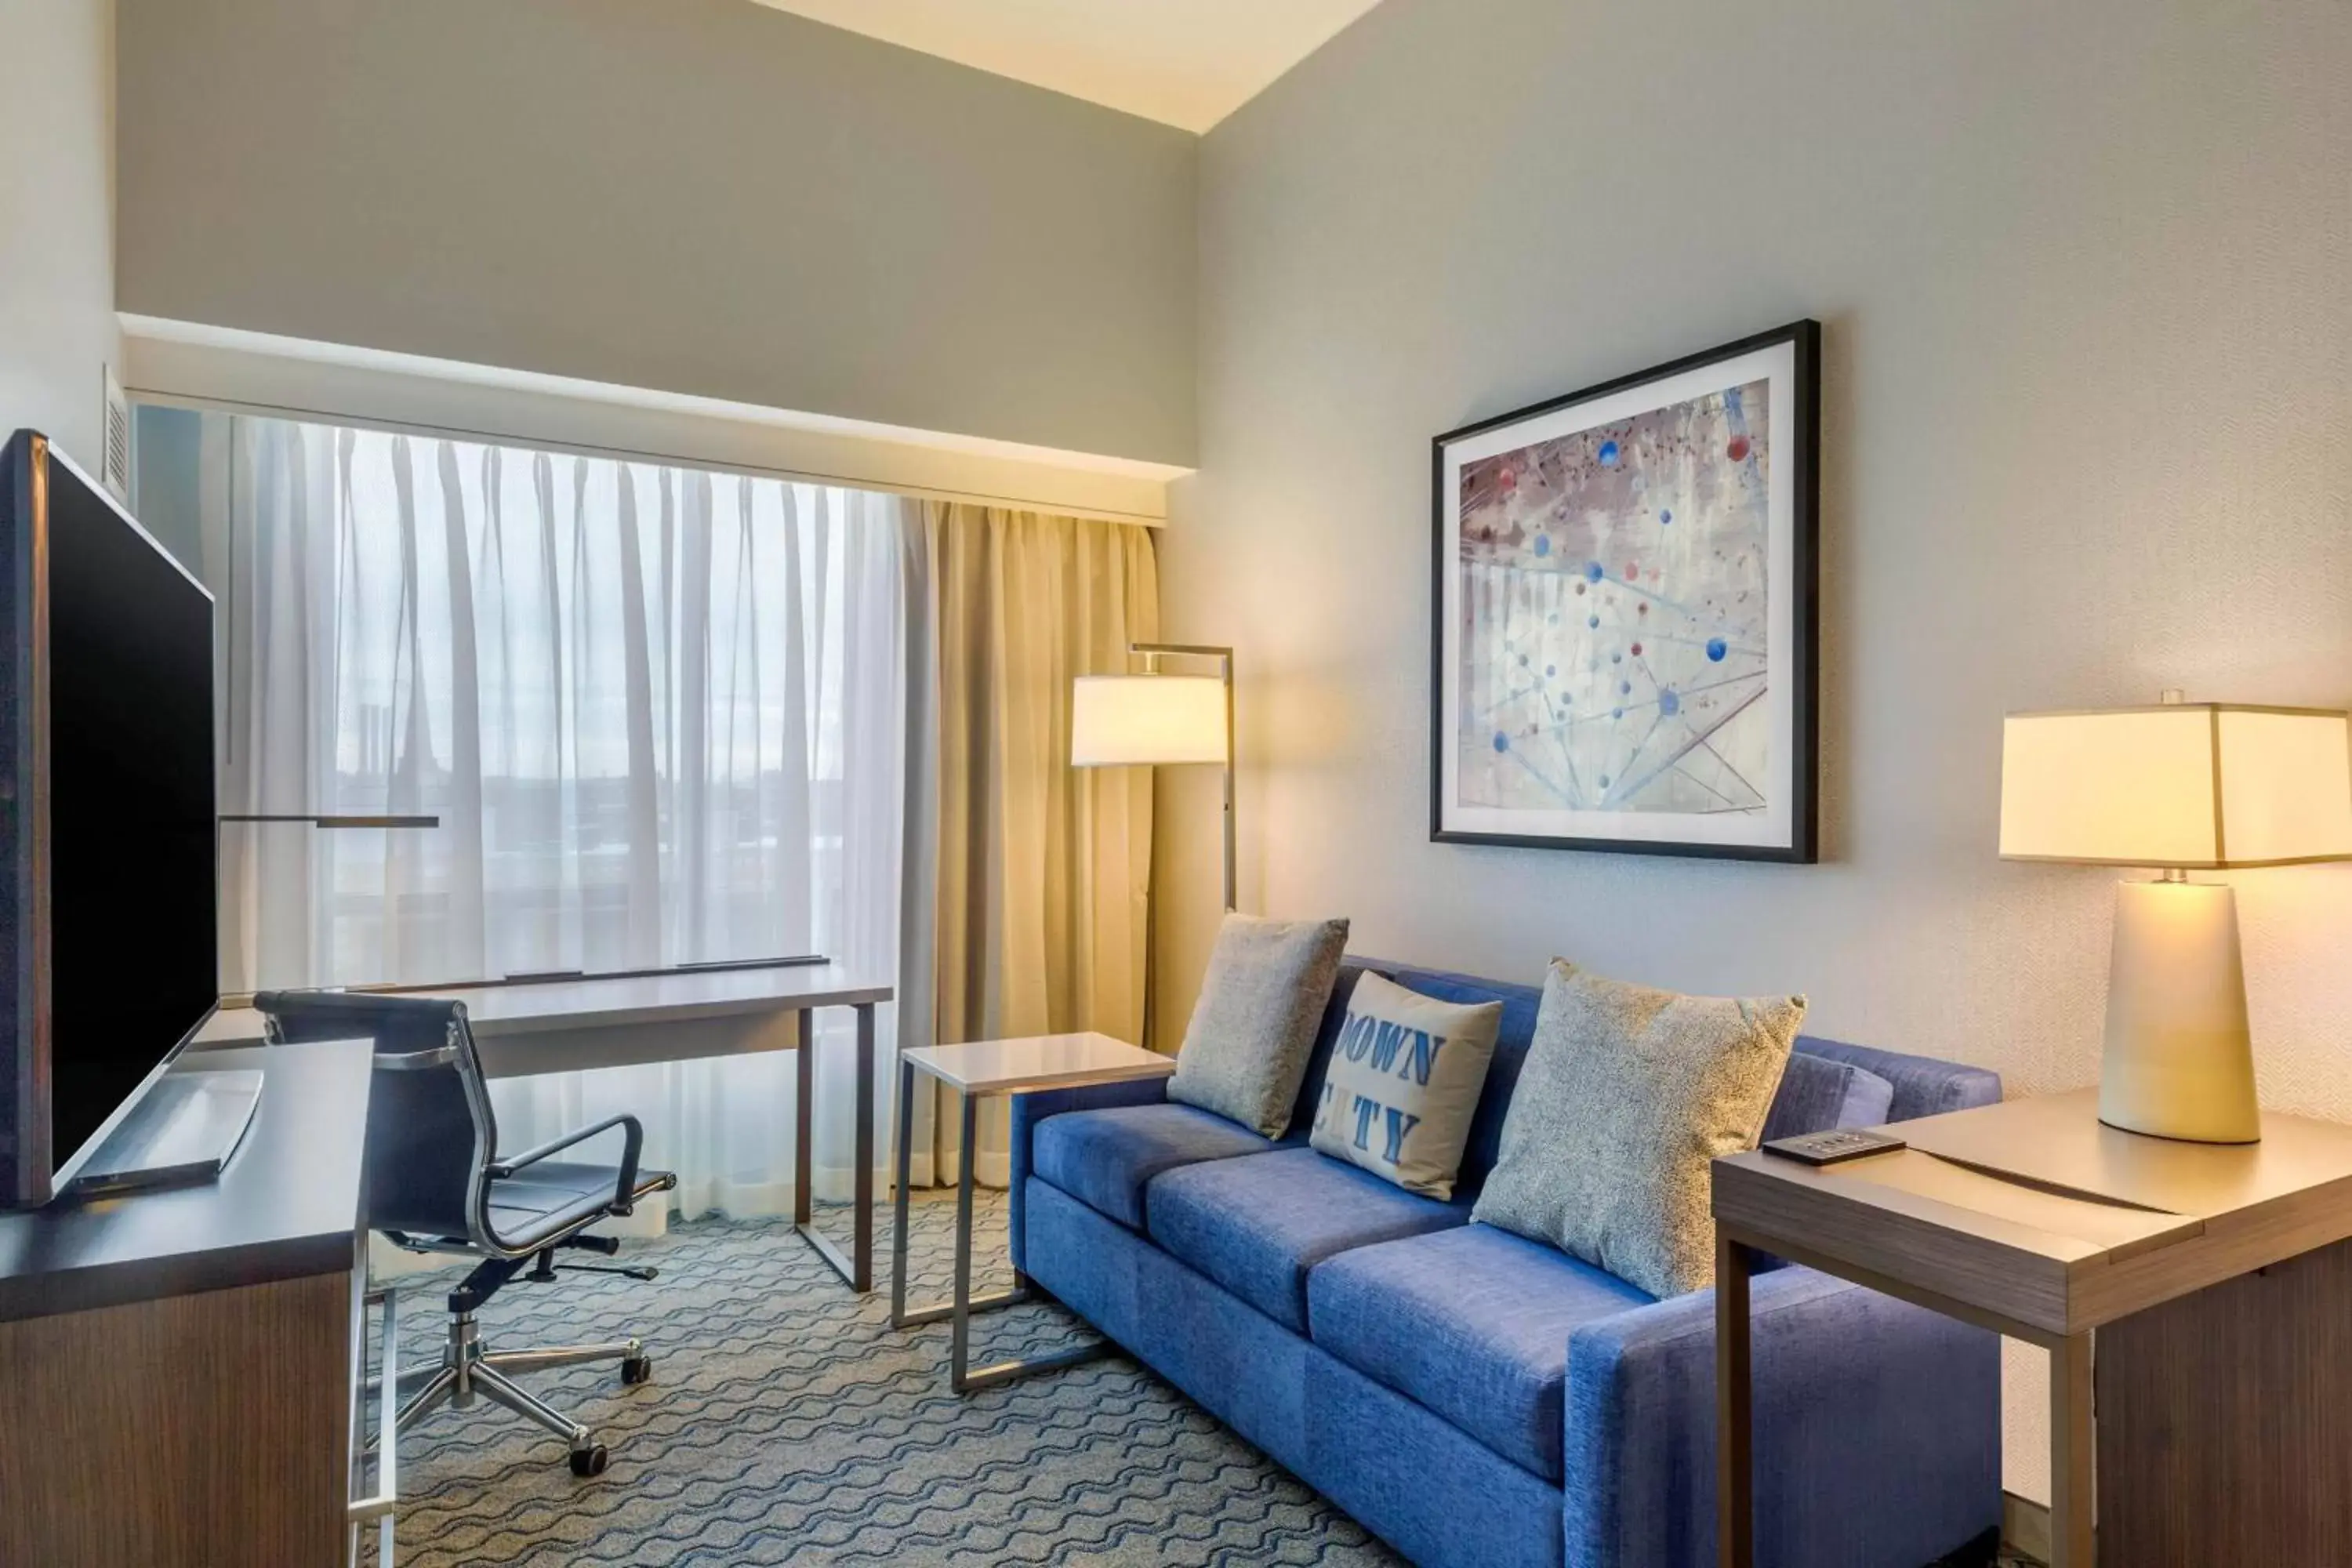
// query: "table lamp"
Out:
[2184,786]
[1151,718]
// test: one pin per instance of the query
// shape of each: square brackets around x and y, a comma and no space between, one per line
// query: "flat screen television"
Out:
[108,915]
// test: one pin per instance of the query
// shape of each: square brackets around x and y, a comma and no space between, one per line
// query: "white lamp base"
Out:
[2179,1059]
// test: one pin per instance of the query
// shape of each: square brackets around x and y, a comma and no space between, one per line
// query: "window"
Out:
[656,710]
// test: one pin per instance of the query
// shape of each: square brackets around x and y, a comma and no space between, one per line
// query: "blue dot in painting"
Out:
[1716,648]
[1616,713]
[1616,658]
[1543,546]
[1593,572]
[1669,703]
[1625,687]
[1523,659]
[1551,670]
[1608,454]
[1604,781]
[1502,741]
[1664,515]
[1592,620]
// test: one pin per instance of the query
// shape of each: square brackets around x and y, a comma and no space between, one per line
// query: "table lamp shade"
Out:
[1122,719]
[2200,787]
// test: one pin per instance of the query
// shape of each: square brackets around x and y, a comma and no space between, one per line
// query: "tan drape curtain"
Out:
[1041,905]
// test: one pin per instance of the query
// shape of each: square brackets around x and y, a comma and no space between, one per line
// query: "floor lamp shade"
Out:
[1157,721]
[2180,787]
[1122,719]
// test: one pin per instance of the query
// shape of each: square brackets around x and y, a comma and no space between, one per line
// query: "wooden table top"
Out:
[495,1010]
[2036,1214]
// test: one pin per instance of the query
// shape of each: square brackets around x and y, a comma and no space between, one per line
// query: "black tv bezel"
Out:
[30,1172]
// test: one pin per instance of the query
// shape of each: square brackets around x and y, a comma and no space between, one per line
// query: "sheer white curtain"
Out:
[661,714]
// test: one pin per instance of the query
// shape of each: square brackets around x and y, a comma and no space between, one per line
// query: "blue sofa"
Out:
[1482,1401]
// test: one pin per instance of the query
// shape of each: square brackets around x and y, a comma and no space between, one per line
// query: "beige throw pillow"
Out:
[1253,1028]
[1403,1083]
[1627,1095]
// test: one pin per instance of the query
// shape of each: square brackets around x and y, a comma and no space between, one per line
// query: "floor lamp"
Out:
[1160,720]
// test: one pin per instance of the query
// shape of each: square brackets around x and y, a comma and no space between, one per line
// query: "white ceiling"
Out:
[1183,62]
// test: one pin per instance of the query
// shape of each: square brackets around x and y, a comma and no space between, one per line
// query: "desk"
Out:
[2199,1296]
[182,1364]
[565,1025]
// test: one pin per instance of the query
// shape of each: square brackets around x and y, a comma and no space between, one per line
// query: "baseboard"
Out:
[2025,1526]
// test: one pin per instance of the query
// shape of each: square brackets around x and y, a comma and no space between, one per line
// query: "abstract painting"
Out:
[1625,617]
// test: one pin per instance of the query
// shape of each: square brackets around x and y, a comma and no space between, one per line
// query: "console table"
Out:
[2198,1295]
[568,1025]
[184,1365]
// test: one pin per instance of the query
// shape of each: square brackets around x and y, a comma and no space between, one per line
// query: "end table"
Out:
[2214,1282]
[974,1070]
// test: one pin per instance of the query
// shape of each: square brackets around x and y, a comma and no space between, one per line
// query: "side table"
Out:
[2194,1300]
[974,1070]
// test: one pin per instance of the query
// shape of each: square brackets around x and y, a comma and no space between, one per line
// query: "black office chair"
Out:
[437,1184]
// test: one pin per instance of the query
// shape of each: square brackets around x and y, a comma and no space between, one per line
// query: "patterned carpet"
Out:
[787,1422]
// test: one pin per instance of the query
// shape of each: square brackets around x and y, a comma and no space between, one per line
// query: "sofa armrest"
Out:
[1028,1109]
[1877,1430]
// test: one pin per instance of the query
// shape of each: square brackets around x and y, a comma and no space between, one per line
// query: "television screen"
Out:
[132,909]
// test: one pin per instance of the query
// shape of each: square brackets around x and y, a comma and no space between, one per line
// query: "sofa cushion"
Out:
[1104,1158]
[1254,1024]
[1818,1093]
[1922,1085]
[1402,1085]
[1472,1324]
[1628,1096]
[1256,1225]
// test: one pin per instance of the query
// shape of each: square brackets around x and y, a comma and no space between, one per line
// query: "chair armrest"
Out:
[1028,1109]
[632,1141]
[1878,1429]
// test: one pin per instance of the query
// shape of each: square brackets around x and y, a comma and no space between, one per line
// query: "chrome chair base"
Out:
[468,1372]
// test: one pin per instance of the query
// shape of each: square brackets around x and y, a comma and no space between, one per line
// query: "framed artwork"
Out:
[1626,623]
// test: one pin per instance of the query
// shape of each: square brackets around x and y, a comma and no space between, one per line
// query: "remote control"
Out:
[1837,1144]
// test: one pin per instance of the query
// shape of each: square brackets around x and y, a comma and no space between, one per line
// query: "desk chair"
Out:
[436,1183]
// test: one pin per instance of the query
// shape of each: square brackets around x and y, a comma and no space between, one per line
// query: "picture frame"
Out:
[1600,680]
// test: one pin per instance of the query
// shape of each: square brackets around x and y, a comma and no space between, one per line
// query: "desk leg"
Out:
[2073,1540]
[862,1185]
[803,1116]
[857,1270]
[1734,1492]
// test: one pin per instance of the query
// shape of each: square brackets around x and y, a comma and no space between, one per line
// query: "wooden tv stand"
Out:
[180,1364]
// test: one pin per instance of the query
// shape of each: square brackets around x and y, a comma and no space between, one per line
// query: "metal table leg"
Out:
[905,1156]
[962,1376]
[857,1269]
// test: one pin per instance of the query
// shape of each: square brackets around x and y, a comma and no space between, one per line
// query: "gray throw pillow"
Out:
[1403,1084]
[1253,1028]
[1627,1095]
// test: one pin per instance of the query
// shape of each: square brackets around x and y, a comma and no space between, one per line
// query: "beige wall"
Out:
[2086,271]
[701,197]
[57,220]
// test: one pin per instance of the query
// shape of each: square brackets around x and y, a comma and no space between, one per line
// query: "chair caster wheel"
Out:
[637,1369]
[589,1461]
